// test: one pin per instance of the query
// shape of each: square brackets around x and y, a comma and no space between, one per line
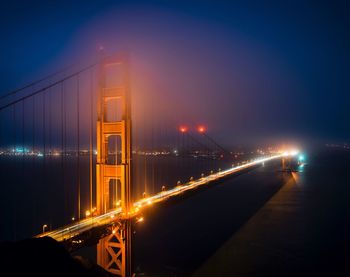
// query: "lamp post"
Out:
[44,227]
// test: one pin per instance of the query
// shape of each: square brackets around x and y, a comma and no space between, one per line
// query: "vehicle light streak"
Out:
[77,228]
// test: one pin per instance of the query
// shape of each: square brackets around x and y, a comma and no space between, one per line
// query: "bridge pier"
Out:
[283,164]
[287,163]
[112,250]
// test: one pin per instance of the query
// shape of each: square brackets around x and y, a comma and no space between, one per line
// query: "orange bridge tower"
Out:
[113,168]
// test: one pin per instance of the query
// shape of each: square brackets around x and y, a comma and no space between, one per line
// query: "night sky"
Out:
[251,71]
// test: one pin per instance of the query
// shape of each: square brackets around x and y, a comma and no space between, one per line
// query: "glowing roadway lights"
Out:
[139,219]
[292,152]
[86,224]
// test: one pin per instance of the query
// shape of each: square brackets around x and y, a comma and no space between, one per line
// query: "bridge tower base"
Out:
[114,249]
[286,164]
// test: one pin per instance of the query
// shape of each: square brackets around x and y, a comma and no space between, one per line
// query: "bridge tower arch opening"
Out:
[113,168]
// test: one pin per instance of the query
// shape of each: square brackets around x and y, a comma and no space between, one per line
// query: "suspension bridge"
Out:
[71,135]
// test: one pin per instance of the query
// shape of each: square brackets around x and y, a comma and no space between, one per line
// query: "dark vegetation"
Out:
[43,257]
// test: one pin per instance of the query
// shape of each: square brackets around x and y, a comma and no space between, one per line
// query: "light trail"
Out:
[74,229]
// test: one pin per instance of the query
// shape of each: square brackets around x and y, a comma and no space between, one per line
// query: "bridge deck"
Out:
[77,228]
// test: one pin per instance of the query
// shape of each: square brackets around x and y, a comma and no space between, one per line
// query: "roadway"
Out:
[77,228]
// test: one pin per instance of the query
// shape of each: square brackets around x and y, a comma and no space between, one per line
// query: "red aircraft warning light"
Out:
[201,129]
[183,129]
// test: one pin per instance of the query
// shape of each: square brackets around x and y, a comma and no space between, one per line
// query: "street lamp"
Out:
[44,227]
[139,219]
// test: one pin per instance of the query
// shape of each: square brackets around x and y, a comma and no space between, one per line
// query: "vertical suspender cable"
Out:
[145,176]
[91,139]
[51,183]
[78,146]
[44,139]
[33,158]
[210,157]
[2,142]
[144,146]
[62,152]
[15,190]
[2,139]
[159,147]
[33,133]
[50,131]
[22,139]
[184,153]
[152,150]
[22,178]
